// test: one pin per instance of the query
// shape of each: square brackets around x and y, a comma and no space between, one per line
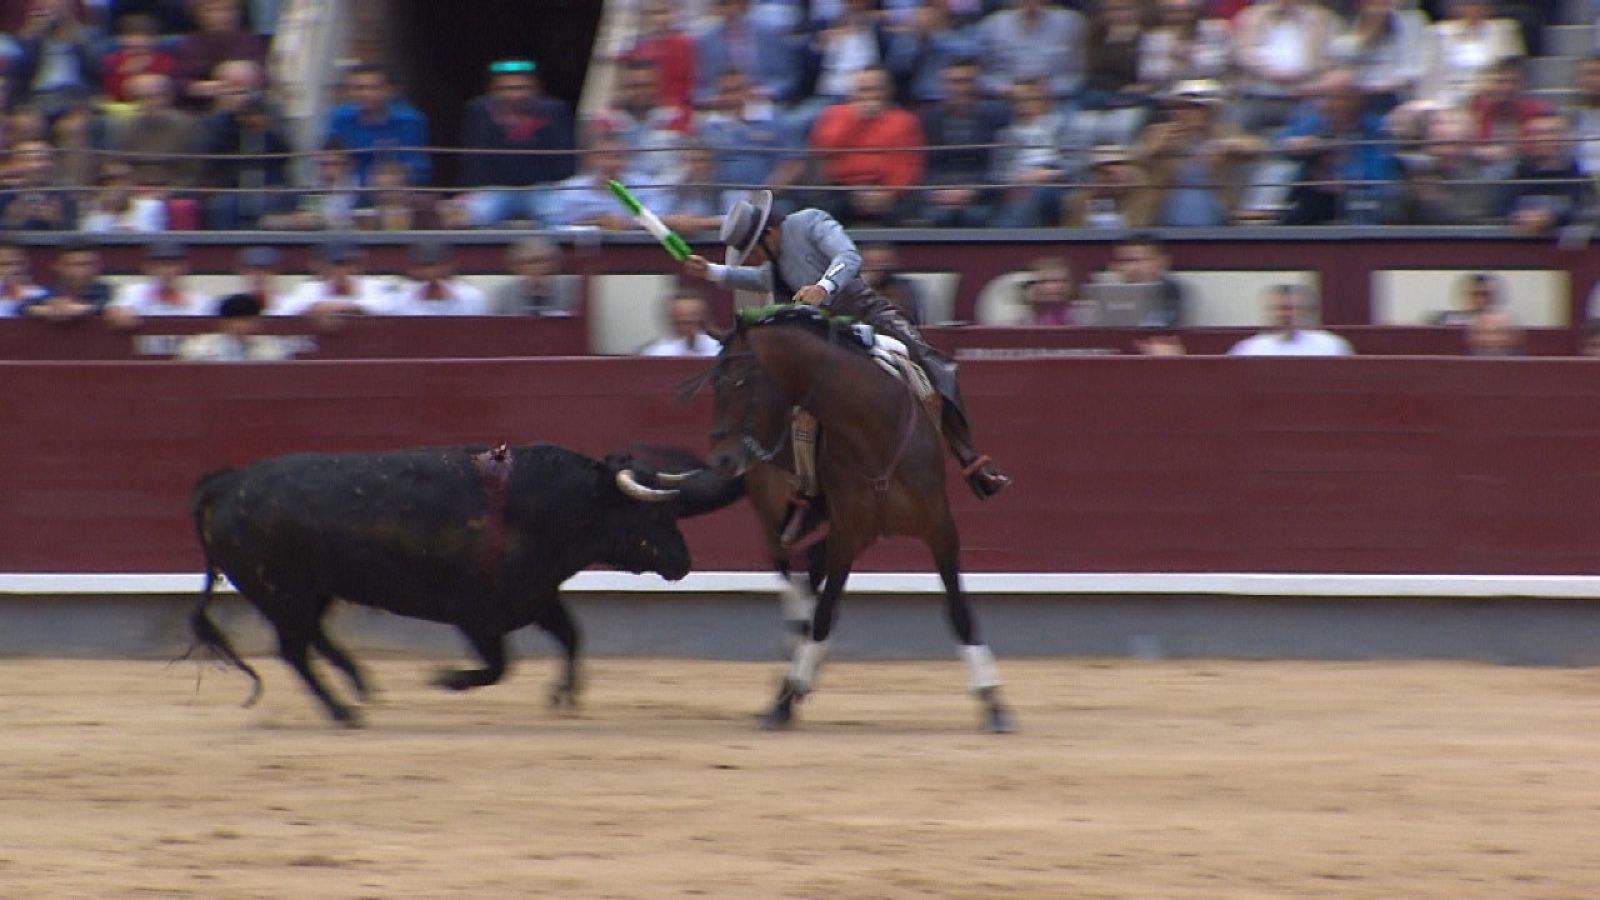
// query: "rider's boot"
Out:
[978,469]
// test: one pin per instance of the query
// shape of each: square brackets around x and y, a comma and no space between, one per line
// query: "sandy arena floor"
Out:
[1140,780]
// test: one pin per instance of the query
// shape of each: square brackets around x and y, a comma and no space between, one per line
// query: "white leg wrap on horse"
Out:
[798,603]
[807,659]
[981,671]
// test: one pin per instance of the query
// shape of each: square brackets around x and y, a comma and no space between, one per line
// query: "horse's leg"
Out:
[835,557]
[982,675]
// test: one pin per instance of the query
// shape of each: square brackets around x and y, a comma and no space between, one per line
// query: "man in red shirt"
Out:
[850,138]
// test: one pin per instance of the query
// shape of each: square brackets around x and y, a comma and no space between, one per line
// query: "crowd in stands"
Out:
[157,116]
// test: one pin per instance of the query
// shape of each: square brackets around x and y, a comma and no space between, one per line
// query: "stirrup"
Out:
[984,481]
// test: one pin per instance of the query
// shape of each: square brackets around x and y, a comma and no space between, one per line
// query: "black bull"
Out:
[474,537]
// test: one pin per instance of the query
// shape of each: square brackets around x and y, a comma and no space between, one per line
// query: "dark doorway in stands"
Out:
[442,53]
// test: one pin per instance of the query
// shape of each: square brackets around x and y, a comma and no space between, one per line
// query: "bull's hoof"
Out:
[564,696]
[456,679]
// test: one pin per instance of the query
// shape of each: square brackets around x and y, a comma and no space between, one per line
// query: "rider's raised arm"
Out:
[742,278]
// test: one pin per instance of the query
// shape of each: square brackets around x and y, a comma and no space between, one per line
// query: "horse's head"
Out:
[751,419]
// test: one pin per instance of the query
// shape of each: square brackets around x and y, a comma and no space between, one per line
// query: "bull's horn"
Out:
[627,484]
[677,477]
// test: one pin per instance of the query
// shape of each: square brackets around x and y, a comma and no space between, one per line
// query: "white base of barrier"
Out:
[1219,583]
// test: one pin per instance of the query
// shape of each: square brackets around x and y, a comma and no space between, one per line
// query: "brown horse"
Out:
[880,467]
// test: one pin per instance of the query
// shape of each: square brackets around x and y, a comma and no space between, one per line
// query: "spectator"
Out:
[160,142]
[1345,159]
[1281,48]
[686,320]
[1493,332]
[164,293]
[540,288]
[1585,114]
[853,138]
[391,205]
[1047,292]
[735,40]
[1115,103]
[79,139]
[434,289]
[17,288]
[1117,195]
[238,336]
[121,205]
[1383,46]
[1196,166]
[669,50]
[257,268]
[696,204]
[652,133]
[77,291]
[254,171]
[1184,45]
[138,53]
[1475,293]
[1547,189]
[337,287]
[220,39]
[754,145]
[238,81]
[1038,152]
[855,40]
[329,202]
[34,199]
[922,54]
[375,124]
[1033,40]
[513,115]
[1142,258]
[960,129]
[1443,183]
[1289,307]
[57,66]
[1501,110]
[1457,49]
[584,200]
[880,269]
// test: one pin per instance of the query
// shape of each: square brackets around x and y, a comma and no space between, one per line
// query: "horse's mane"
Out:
[834,328]
[837,330]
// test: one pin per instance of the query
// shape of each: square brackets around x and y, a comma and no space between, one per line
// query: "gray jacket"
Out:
[812,246]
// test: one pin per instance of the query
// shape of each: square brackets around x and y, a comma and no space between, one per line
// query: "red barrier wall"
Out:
[451,337]
[1122,464]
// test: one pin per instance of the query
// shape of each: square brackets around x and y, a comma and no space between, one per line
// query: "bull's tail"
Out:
[208,635]
[205,632]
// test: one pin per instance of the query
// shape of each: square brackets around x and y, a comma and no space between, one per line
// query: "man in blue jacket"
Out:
[376,123]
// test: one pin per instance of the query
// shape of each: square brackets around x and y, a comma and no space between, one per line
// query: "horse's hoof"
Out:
[781,715]
[348,717]
[998,720]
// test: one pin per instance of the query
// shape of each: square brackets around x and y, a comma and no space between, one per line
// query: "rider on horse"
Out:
[809,248]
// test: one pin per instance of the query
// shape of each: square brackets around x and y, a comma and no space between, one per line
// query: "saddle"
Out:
[890,354]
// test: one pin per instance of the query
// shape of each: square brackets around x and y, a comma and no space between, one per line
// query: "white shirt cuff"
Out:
[827,285]
[716,272]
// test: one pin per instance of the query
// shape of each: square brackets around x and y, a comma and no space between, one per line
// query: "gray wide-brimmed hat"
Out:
[744,223]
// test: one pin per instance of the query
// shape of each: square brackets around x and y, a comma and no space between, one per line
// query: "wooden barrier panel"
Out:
[1123,464]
